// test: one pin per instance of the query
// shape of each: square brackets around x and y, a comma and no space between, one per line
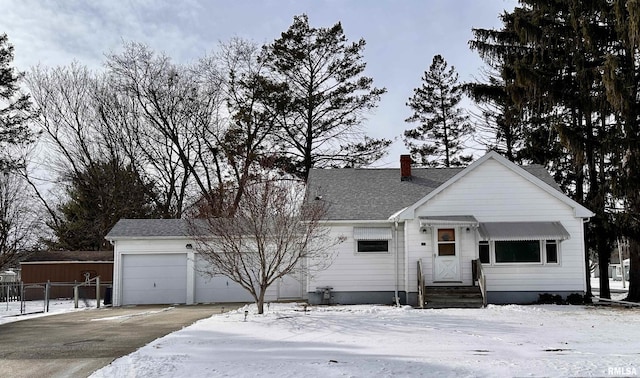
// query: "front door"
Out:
[446,262]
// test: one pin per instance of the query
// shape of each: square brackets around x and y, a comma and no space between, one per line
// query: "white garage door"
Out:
[290,287]
[217,289]
[154,279]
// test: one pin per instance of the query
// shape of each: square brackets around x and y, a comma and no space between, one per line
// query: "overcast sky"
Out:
[402,36]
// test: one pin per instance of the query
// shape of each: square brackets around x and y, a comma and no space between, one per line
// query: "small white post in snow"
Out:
[620,255]
[47,290]
[98,291]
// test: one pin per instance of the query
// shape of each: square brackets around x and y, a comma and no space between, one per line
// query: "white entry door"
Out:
[446,259]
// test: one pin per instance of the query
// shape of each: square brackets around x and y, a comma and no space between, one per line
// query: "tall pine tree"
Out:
[437,141]
[329,97]
[15,108]
[554,51]
[622,82]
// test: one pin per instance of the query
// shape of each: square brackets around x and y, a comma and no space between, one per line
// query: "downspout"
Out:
[395,261]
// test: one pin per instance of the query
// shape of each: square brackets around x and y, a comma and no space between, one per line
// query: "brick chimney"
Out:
[405,167]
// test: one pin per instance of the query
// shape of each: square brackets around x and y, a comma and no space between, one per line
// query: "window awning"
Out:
[372,233]
[502,231]
[448,219]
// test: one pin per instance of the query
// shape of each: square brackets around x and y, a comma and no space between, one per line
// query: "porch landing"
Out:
[453,297]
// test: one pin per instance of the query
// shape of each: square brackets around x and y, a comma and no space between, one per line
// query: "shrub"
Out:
[548,298]
[575,299]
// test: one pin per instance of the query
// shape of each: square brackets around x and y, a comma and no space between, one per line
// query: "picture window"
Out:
[520,251]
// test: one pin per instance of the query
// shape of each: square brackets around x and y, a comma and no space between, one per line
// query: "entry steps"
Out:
[452,297]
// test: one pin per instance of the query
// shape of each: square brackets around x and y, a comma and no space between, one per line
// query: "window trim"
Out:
[542,250]
[446,242]
[558,254]
[488,245]
[358,251]
[540,257]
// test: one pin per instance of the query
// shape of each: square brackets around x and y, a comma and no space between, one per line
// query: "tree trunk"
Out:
[603,267]
[588,293]
[260,301]
[634,271]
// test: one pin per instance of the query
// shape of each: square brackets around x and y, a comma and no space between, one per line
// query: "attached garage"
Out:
[217,289]
[154,278]
[154,263]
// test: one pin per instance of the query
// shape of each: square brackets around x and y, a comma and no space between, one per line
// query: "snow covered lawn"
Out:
[10,311]
[380,341]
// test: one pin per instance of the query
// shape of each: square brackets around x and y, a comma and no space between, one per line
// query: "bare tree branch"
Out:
[271,235]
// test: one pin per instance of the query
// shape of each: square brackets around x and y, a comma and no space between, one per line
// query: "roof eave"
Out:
[161,237]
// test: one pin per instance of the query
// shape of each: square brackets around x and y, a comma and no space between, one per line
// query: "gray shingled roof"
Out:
[369,194]
[352,194]
[149,228]
[70,256]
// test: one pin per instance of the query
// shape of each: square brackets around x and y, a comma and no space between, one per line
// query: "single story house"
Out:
[417,231]
[410,235]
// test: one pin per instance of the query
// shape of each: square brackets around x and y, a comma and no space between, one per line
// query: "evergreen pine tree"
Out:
[437,141]
[98,197]
[328,97]
[15,108]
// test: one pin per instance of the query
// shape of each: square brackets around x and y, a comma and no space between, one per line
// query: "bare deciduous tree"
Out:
[271,235]
[173,106]
[254,102]
[20,223]
[85,150]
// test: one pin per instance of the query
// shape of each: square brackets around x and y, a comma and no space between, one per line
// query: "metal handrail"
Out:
[89,283]
[420,285]
[482,280]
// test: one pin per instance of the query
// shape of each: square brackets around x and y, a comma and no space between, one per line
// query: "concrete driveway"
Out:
[78,343]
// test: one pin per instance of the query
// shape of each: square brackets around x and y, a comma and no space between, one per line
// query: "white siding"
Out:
[493,193]
[353,271]
[196,287]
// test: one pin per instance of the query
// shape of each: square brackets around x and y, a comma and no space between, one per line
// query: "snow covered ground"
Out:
[618,292]
[10,312]
[382,341]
